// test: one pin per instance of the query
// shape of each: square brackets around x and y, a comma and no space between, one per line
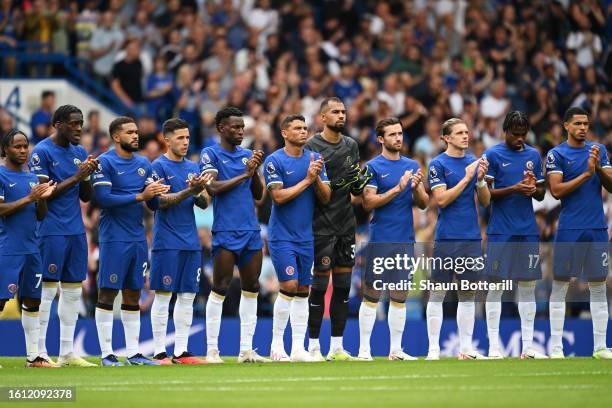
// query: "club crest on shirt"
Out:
[12,288]
[141,172]
[32,184]
[244,160]
[191,176]
[76,162]
[270,168]
[529,165]
[35,159]
[205,158]
[348,162]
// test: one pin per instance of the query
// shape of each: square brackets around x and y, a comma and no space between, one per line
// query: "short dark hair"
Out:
[573,111]
[7,139]
[290,118]
[173,124]
[383,123]
[515,120]
[225,113]
[46,94]
[116,124]
[62,114]
[328,100]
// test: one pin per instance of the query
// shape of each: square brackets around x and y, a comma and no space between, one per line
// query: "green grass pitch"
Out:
[574,382]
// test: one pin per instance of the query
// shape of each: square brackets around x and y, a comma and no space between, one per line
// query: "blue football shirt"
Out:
[175,227]
[459,220]
[233,210]
[393,221]
[18,234]
[512,215]
[291,221]
[126,178]
[57,163]
[583,208]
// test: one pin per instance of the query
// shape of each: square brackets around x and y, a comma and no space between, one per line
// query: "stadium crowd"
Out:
[421,61]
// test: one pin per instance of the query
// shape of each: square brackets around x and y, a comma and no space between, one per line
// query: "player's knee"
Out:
[130,308]
[107,296]
[290,286]
[320,282]
[30,304]
[341,280]
[398,297]
[466,295]
[104,306]
[371,298]
[219,291]
[130,296]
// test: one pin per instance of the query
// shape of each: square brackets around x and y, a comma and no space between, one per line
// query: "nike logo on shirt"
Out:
[384,175]
[12,184]
[120,172]
[225,161]
[170,177]
[505,164]
[291,172]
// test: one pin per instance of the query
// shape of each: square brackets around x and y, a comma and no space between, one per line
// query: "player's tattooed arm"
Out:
[372,200]
[322,191]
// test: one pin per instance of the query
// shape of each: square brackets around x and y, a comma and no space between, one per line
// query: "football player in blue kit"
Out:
[396,185]
[122,182]
[236,232]
[22,204]
[63,247]
[514,177]
[454,177]
[296,178]
[576,170]
[176,256]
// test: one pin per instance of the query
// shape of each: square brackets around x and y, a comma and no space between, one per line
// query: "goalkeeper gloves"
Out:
[363,178]
[349,178]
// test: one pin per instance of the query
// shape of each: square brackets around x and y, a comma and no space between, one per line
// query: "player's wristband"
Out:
[481,183]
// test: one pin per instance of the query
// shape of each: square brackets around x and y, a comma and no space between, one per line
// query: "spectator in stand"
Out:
[127,76]
[11,23]
[6,122]
[95,129]
[41,119]
[39,24]
[158,90]
[187,94]
[106,41]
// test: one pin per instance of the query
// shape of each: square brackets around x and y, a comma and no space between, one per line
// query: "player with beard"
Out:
[122,182]
[396,186]
[63,247]
[334,228]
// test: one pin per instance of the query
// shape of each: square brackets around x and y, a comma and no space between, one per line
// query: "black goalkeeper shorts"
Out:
[333,251]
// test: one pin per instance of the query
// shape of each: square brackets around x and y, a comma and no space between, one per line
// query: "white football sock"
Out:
[313,344]
[599,314]
[527,311]
[396,320]
[493,310]
[183,317]
[159,321]
[557,313]
[49,290]
[214,308]
[68,312]
[465,320]
[31,329]
[248,319]
[131,327]
[367,318]
[434,318]
[335,343]
[298,315]
[282,305]
[104,325]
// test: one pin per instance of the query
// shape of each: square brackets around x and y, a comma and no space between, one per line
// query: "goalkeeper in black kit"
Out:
[334,229]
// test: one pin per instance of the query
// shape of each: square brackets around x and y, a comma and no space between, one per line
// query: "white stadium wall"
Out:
[22,98]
